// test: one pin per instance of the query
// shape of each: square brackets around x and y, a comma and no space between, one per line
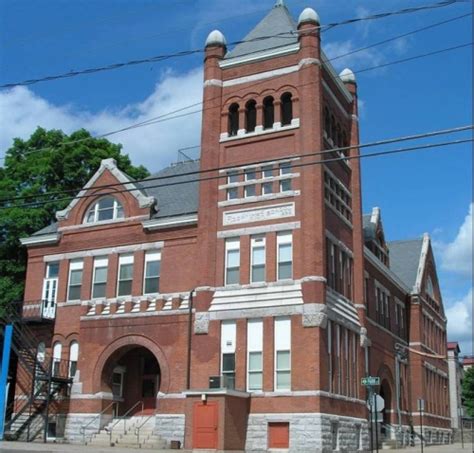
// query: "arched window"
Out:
[107,208]
[57,351]
[250,116]
[286,109]
[333,129]
[338,136]
[327,122]
[233,126]
[345,143]
[430,288]
[73,357]
[268,113]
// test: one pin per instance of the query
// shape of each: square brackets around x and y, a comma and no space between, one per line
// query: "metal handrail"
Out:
[83,427]
[124,417]
[138,428]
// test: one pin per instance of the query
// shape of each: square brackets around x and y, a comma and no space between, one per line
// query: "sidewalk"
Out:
[452,448]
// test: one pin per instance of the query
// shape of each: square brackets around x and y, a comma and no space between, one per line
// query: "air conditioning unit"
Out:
[214,382]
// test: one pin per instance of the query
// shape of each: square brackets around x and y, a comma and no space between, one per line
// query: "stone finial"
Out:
[347,76]
[216,38]
[309,15]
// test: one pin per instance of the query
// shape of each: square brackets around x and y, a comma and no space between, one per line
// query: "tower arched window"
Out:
[233,119]
[286,109]
[268,113]
[327,122]
[333,129]
[250,116]
[107,208]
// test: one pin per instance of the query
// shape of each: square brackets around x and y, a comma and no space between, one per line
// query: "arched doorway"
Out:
[386,394]
[132,374]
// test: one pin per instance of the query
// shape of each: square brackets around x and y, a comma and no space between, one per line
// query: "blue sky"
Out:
[429,191]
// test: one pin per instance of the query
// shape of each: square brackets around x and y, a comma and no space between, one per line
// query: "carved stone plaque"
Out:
[259,214]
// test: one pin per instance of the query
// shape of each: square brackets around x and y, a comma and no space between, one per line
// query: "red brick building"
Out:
[295,294]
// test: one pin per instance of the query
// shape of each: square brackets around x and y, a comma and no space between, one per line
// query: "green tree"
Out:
[57,166]
[468,391]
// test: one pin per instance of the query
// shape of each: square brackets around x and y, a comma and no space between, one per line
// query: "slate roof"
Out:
[172,200]
[368,227]
[277,21]
[405,259]
[176,199]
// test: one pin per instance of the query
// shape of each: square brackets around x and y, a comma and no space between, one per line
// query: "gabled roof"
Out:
[405,259]
[110,165]
[277,21]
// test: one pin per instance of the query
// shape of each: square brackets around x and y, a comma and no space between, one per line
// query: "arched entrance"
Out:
[386,394]
[132,374]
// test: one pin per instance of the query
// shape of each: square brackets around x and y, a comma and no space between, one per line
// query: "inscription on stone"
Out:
[259,214]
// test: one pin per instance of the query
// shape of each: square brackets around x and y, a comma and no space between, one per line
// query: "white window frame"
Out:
[57,354]
[247,172]
[95,208]
[73,355]
[254,345]
[151,257]
[285,177]
[75,265]
[258,242]
[284,238]
[282,341]
[125,260]
[100,262]
[230,245]
[228,344]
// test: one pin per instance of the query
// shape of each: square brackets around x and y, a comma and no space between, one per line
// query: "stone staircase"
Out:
[132,432]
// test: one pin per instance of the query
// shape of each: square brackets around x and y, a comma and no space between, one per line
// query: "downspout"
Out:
[190,331]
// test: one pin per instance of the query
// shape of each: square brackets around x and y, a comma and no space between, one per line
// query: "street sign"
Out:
[370,380]
[421,404]
[376,401]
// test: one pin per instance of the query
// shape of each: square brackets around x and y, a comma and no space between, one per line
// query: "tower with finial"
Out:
[280,215]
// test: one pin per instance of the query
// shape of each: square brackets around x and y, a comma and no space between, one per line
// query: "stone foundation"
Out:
[74,423]
[433,435]
[310,432]
[170,427]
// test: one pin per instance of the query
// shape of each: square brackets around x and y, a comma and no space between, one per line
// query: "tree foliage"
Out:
[468,391]
[58,166]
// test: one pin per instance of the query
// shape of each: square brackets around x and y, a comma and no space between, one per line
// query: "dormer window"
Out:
[107,208]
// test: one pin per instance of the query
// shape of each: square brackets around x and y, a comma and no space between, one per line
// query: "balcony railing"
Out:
[37,311]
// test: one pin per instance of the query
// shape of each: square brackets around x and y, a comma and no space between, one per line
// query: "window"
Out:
[286,109]
[339,266]
[50,284]
[228,337]
[233,126]
[255,354]
[107,208]
[232,192]
[125,275]
[285,184]
[337,196]
[152,273]
[75,280]
[73,358]
[57,351]
[267,188]
[232,261]
[282,354]
[268,113]
[99,280]
[250,116]
[250,190]
[285,255]
[327,122]
[267,172]
[257,259]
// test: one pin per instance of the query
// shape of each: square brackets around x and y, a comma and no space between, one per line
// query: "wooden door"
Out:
[205,425]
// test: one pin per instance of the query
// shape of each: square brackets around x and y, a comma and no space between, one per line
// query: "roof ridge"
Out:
[406,240]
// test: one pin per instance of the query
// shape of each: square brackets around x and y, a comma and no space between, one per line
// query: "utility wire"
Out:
[388,141]
[184,53]
[209,178]
[260,162]
[166,116]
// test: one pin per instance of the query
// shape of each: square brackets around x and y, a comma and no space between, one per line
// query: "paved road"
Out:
[20,447]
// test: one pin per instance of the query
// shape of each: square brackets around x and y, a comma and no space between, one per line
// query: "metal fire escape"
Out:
[42,381]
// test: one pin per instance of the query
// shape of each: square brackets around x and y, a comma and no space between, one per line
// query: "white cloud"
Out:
[22,111]
[336,50]
[459,316]
[457,255]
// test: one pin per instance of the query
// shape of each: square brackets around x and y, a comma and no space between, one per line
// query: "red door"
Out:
[205,425]
[278,435]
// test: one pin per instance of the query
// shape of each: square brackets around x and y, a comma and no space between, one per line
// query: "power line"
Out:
[209,178]
[261,162]
[184,53]
[163,117]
